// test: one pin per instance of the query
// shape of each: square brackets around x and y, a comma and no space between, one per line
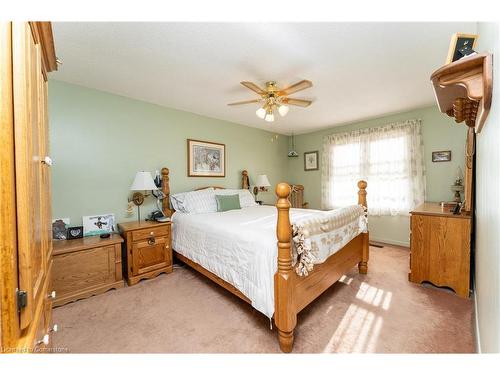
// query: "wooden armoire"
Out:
[27,55]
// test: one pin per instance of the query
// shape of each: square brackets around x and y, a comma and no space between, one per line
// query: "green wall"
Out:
[439,133]
[100,140]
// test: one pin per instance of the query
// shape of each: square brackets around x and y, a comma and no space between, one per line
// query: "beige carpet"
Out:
[185,313]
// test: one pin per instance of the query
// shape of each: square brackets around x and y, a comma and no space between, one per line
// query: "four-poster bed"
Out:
[292,292]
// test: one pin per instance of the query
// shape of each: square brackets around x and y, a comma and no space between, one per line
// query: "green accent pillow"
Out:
[228,202]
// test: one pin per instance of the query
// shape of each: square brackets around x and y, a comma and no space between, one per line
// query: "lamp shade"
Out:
[143,181]
[262,181]
[261,113]
[283,110]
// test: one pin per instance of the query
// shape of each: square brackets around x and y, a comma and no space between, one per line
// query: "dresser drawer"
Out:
[147,233]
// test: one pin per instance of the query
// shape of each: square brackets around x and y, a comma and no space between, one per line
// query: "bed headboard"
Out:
[165,188]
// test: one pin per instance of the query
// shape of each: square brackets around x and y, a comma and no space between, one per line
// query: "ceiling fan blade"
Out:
[299,102]
[302,85]
[252,86]
[245,102]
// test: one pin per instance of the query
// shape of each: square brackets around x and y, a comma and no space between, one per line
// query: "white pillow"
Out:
[246,198]
[200,201]
[177,201]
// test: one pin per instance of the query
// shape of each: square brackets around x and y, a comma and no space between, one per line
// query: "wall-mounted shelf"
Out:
[463,89]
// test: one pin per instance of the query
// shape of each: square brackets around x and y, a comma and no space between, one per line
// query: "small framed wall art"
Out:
[206,159]
[311,162]
[440,156]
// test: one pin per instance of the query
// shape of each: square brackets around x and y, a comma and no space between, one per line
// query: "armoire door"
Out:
[31,145]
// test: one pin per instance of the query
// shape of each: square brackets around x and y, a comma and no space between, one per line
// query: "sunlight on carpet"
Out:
[360,328]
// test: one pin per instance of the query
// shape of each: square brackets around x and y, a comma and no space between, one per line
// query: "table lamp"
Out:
[261,184]
[142,182]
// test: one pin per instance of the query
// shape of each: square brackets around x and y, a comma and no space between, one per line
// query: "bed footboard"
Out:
[285,316]
[291,292]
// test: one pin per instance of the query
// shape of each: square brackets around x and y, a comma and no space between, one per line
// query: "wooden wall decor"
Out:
[463,89]
[470,151]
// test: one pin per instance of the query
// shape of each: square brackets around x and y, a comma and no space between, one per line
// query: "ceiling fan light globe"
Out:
[283,110]
[269,117]
[261,113]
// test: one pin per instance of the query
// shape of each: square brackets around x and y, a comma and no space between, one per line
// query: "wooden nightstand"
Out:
[148,249]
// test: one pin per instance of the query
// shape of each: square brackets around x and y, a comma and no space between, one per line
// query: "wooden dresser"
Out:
[27,55]
[86,266]
[148,248]
[440,247]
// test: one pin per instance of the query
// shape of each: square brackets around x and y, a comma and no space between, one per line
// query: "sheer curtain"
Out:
[390,158]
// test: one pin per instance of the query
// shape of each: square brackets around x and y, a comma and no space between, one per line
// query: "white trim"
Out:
[390,242]
[476,321]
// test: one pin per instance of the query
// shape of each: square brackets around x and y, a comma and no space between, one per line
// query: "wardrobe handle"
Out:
[47,161]
[45,340]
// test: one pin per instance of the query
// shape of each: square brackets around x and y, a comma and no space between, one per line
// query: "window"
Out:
[389,158]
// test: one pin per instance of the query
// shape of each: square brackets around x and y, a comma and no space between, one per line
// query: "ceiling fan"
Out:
[273,98]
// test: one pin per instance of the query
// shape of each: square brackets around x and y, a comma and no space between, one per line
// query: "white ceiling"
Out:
[359,70]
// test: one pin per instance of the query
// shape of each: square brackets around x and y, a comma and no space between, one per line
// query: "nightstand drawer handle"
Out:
[152,233]
[151,241]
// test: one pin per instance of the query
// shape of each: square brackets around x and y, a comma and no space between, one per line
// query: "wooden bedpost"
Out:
[285,316]
[165,188]
[245,181]
[363,265]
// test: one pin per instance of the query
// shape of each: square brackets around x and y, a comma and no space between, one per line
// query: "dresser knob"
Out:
[55,328]
[52,295]
[152,233]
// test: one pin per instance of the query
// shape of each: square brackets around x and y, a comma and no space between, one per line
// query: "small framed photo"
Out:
[461,45]
[59,228]
[440,156]
[75,232]
[206,159]
[98,224]
[311,162]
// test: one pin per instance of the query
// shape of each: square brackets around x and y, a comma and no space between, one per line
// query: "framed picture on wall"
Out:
[311,162]
[440,156]
[206,159]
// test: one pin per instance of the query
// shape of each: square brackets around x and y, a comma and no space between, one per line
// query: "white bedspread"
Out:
[239,246]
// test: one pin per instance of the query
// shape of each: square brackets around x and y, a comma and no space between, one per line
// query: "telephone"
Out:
[158,215]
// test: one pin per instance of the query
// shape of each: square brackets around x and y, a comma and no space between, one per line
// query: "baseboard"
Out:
[390,242]
[476,321]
